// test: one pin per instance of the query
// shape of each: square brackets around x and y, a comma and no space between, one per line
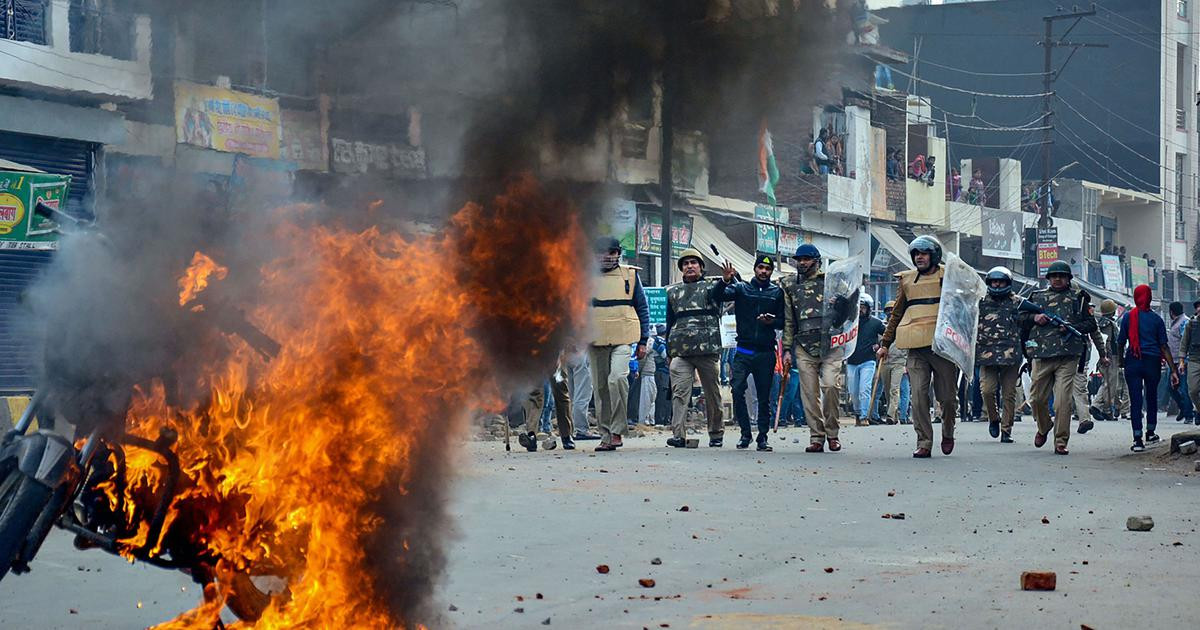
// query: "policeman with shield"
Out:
[807,322]
[911,326]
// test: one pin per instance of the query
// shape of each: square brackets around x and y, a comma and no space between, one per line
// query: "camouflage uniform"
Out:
[1113,392]
[1056,358]
[804,335]
[998,355]
[694,345]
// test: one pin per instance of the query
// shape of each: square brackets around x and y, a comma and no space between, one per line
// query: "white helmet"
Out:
[864,298]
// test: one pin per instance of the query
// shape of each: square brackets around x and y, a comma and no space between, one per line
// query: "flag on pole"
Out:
[768,172]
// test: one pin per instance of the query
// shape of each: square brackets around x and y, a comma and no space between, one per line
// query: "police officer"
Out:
[998,351]
[694,346]
[911,327]
[1056,354]
[758,308]
[619,318]
[806,344]
[895,378]
[1113,397]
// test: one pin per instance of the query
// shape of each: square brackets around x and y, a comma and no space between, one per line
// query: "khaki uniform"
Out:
[893,377]
[615,326]
[911,326]
[1056,358]
[804,335]
[998,355]
[694,346]
[1113,391]
[562,407]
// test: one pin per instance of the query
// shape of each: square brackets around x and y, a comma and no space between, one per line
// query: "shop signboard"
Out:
[226,120]
[1114,278]
[649,233]
[1139,270]
[1047,249]
[20,192]
[1002,232]
[656,299]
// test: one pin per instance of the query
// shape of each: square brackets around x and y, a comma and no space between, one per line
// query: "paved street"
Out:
[761,531]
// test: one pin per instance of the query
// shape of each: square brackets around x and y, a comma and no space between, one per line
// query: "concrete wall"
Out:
[927,204]
[57,68]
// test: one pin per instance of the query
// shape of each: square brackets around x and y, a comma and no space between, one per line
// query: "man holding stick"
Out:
[694,346]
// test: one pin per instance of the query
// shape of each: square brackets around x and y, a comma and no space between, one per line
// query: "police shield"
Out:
[843,284]
[958,314]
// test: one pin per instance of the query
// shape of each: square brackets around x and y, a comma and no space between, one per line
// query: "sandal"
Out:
[835,445]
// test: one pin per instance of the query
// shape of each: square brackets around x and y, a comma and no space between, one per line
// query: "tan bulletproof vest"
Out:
[922,295]
[614,322]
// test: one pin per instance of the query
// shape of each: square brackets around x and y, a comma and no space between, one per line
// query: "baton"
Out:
[874,388]
[507,433]
[725,260]
[779,403]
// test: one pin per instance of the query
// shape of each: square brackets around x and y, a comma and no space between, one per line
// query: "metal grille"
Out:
[25,20]
[55,155]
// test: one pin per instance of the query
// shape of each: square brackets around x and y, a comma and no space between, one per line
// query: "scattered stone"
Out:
[1176,544]
[1188,448]
[1084,626]
[692,443]
[891,493]
[550,444]
[829,569]
[1038,581]
[1139,523]
[656,561]
[1198,465]
[73,611]
[538,596]
[518,610]
[546,621]
[1045,521]
[603,470]
[520,598]
[602,569]
[685,509]
[646,583]
[453,608]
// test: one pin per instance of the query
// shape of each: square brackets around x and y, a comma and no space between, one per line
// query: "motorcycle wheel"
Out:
[250,595]
[21,502]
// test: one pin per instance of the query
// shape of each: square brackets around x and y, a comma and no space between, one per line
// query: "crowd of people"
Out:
[786,368]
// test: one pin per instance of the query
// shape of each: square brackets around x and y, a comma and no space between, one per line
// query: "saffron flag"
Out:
[768,172]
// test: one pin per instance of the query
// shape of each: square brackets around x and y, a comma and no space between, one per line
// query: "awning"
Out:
[1121,299]
[893,243]
[705,235]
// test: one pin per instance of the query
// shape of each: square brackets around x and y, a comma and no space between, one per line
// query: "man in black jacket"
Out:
[758,308]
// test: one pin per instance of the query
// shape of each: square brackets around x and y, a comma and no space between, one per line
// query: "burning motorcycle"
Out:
[85,486]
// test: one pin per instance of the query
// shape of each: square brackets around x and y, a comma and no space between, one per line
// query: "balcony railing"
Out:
[24,20]
[1180,118]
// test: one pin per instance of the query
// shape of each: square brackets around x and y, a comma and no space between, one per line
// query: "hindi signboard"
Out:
[649,233]
[766,230]
[656,300]
[20,192]
[225,120]
[1002,234]
[1114,278]
[1139,270]
[1047,249]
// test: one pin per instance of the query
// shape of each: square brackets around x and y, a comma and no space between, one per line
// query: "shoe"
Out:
[947,446]
[617,442]
[676,442]
[1006,437]
[1061,450]
[834,444]
[921,453]
[1188,421]
[605,446]
[1152,437]
[875,422]
[994,429]
[1137,447]
[568,444]
[1098,414]
[764,448]
[815,447]
[861,422]
[583,436]
[1085,426]
[716,442]
[906,421]
[1039,440]
[937,420]
[529,441]
[744,442]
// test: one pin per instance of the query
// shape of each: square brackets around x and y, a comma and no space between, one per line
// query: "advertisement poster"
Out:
[1002,234]
[656,299]
[789,241]
[1139,270]
[649,233]
[1047,249]
[1114,279]
[20,192]
[225,120]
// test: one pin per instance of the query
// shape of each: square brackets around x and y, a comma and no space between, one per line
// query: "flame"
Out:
[385,345]
[195,279]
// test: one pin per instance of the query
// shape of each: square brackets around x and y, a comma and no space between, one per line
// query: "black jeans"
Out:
[1142,377]
[762,366]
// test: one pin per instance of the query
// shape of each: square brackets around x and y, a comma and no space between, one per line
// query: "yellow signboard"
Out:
[225,120]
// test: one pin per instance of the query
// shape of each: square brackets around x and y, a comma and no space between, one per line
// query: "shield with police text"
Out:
[843,285]
[958,314]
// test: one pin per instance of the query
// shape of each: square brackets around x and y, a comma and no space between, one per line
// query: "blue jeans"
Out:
[859,379]
[1142,376]
[762,366]
[775,382]
[824,169]
[792,405]
[905,398]
[1178,394]
[547,409]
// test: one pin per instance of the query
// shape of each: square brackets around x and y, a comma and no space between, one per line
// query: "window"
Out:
[1181,8]
[1180,163]
[24,20]
[1183,88]
[101,27]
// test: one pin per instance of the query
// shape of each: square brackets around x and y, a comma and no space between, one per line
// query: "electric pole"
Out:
[667,119]
[1048,78]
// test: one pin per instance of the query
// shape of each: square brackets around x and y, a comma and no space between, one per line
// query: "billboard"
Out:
[649,233]
[1002,232]
[225,120]
[20,192]
[1047,249]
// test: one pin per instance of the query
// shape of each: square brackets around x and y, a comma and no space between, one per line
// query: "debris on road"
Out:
[685,509]
[1045,521]
[646,583]
[692,443]
[1038,581]
[656,561]
[899,516]
[602,569]
[1139,523]
[1188,448]
[829,569]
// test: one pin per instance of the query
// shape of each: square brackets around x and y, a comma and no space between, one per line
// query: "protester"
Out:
[694,346]
[1179,394]
[860,367]
[998,352]
[758,307]
[620,318]
[806,345]
[1056,353]
[1189,361]
[821,153]
[930,170]
[533,411]
[976,192]
[911,326]
[895,378]
[1146,335]
[954,185]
